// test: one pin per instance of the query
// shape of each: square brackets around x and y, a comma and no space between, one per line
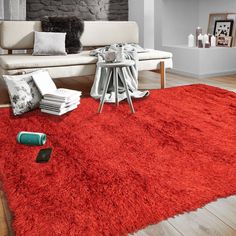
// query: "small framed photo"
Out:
[223,28]
[212,20]
[224,41]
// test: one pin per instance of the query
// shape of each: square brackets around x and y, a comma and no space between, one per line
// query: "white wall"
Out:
[214,6]
[142,11]
[1,9]
[13,9]
[179,18]
[136,13]
[176,19]
[1,17]
[149,24]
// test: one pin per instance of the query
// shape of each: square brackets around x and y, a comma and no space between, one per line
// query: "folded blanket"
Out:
[130,74]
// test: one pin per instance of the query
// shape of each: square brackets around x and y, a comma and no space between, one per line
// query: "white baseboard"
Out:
[201,76]
[5,105]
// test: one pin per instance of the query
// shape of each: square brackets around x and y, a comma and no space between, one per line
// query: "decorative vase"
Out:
[110,56]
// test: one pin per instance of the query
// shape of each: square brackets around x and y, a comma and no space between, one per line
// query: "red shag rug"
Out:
[115,173]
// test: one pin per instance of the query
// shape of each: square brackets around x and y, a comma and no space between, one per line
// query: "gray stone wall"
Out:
[86,9]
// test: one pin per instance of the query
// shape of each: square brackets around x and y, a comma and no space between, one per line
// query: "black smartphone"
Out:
[44,155]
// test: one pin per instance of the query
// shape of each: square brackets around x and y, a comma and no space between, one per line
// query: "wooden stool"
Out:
[114,67]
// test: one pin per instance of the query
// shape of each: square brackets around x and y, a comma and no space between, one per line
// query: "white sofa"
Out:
[19,35]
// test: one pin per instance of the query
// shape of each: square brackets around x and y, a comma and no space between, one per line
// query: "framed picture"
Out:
[212,20]
[223,28]
[224,41]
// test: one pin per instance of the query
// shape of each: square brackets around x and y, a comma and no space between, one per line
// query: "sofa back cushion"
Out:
[102,33]
[16,35]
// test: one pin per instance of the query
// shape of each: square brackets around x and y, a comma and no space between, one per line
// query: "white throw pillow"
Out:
[49,44]
[23,93]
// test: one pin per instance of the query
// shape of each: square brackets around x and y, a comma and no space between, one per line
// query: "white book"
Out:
[44,82]
[60,112]
[57,108]
[48,88]
[56,99]
[59,104]
[59,100]
[63,94]
[51,109]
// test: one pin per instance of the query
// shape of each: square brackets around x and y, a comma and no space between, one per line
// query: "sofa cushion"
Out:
[19,34]
[154,54]
[72,25]
[24,61]
[49,44]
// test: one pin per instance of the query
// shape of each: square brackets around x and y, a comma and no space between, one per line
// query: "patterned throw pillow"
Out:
[23,93]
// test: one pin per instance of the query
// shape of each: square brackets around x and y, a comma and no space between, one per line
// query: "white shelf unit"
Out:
[176,19]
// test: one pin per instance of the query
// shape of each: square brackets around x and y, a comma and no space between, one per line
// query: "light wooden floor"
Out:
[215,219]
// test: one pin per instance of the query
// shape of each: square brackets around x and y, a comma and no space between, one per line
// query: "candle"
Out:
[205,39]
[209,40]
[198,32]
[190,41]
[213,41]
[200,41]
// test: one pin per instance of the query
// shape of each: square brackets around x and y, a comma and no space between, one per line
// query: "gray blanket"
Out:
[130,75]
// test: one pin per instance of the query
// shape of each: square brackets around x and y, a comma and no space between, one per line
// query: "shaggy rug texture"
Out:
[114,173]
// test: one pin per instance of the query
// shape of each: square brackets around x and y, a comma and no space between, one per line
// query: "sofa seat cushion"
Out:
[27,61]
[154,55]
[24,61]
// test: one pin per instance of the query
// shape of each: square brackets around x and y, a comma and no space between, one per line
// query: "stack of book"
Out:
[56,101]
[60,101]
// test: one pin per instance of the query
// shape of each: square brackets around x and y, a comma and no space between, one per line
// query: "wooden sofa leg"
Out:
[163,74]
